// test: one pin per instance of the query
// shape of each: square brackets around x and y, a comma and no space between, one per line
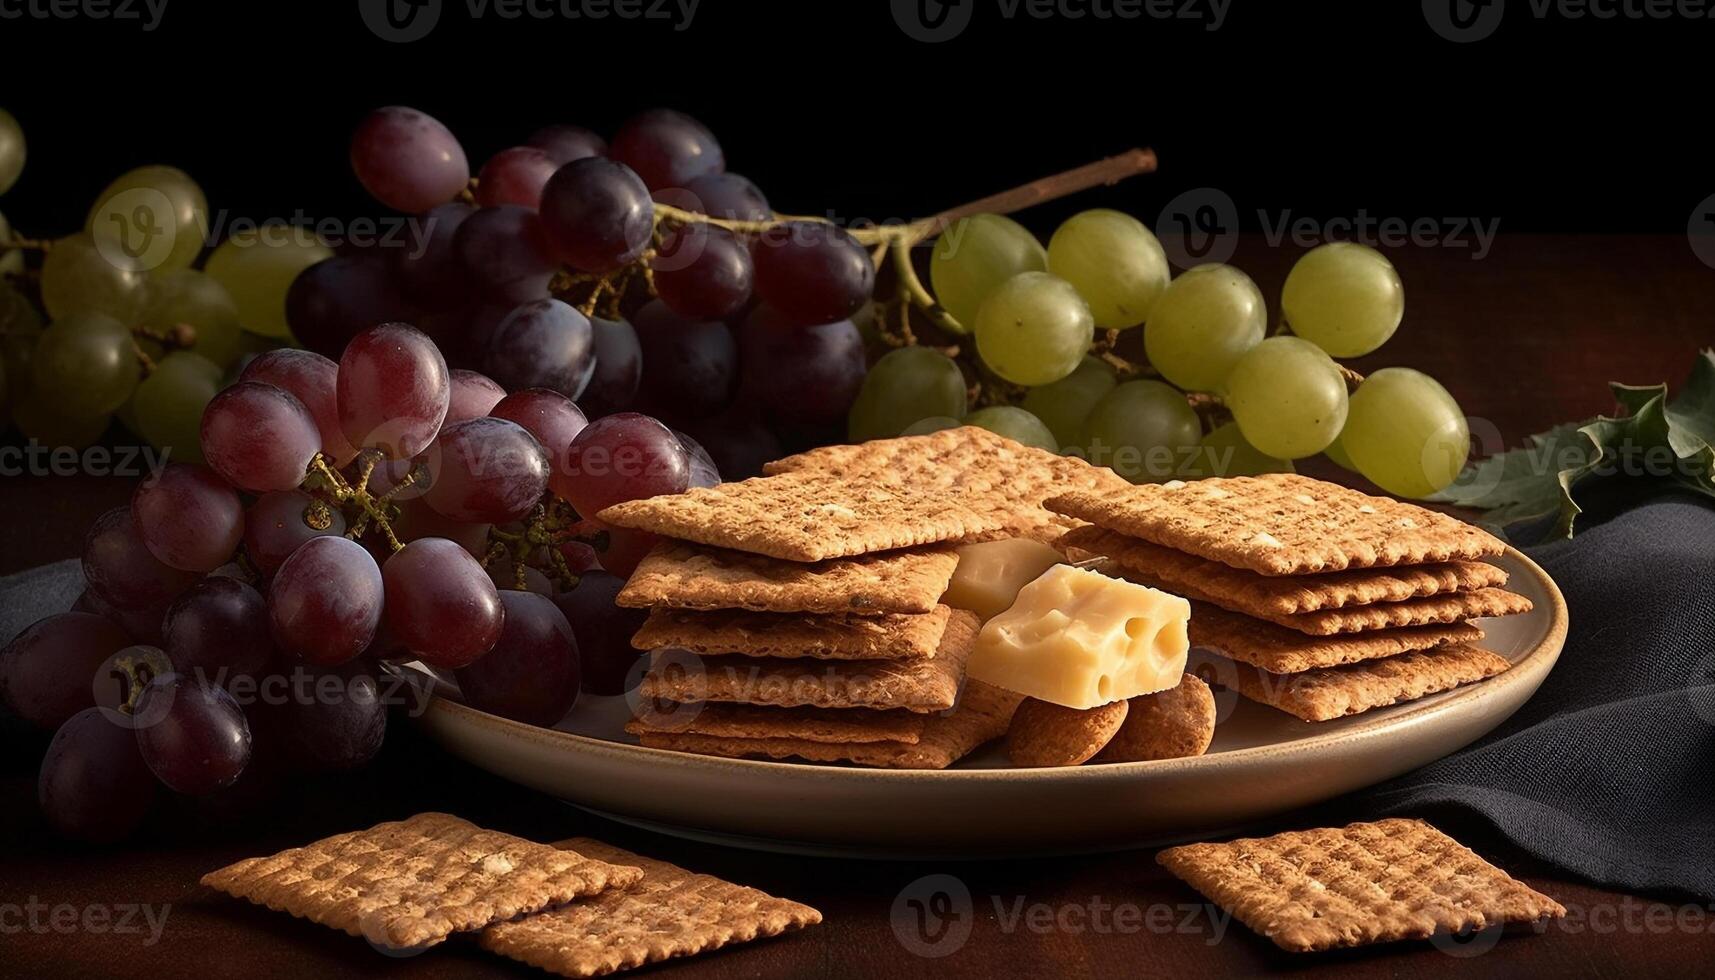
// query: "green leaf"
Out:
[1520,484]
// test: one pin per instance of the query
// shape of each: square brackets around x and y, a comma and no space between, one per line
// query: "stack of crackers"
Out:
[798,615]
[1315,599]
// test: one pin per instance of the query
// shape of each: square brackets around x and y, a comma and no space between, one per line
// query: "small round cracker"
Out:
[1170,724]
[1044,734]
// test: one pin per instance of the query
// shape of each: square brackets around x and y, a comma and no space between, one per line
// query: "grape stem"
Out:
[362,507]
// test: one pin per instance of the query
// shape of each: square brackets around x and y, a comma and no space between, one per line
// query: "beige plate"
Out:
[1263,762]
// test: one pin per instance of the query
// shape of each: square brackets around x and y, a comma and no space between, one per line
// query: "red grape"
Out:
[546,414]
[618,458]
[325,601]
[505,251]
[604,631]
[618,368]
[812,272]
[418,520]
[46,672]
[217,629]
[121,569]
[472,395]
[486,471]
[702,271]
[188,517]
[580,557]
[667,148]
[193,736]
[804,374]
[279,522]
[259,437]
[441,603]
[625,549]
[729,196]
[543,344]
[515,176]
[531,675]
[565,143]
[338,722]
[94,786]
[407,160]
[690,367]
[393,390]
[505,574]
[311,378]
[332,300]
[431,272]
[704,472]
[598,214]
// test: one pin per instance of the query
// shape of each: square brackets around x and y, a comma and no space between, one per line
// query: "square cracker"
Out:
[681,575]
[1325,693]
[982,715]
[1286,651]
[412,883]
[670,913]
[832,725]
[990,472]
[806,516]
[920,684]
[1280,524]
[1365,883]
[1283,595]
[894,636]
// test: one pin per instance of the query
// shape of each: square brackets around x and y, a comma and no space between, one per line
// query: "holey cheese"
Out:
[1081,639]
[991,573]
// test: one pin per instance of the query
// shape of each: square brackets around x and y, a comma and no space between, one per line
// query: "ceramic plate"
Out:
[1263,762]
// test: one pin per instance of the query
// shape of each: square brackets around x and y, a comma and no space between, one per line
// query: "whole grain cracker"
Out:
[1045,735]
[1365,883]
[1326,693]
[1287,651]
[982,716]
[1173,724]
[1280,524]
[412,883]
[805,516]
[1264,596]
[682,575]
[920,684]
[893,636]
[670,913]
[832,725]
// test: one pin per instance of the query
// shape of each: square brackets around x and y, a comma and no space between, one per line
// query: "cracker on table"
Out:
[806,516]
[670,913]
[413,883]
[982,716]
[831,725]
[1365,883]
[1046,735]
[1281,595]
[918,684]
[990,472]
[1287,651]
[1325,693]
[892,636]
[682,575]
[1172,724]
[1279,524]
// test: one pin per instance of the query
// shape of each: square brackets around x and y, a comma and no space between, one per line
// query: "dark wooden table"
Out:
[1525,337]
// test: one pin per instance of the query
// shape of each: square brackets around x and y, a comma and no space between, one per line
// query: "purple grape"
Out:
[121,570]
[531,675]
[667,148]
[486,471]
[604,631]
[193,736]
[598,214]
[543,344]
[546,414]
[806,375]
[141,623]
[281,521]
[418,520]
[738,442]
[622,457]
[441,604]
[325,601]
[188,517]
[565,143]
[407,160]
[259,437]
[217,629]
[505,252]
[515,176]
[331,301]
[472,395]
[505,574]
[618,368]
[338,722]
[46,672]
[393,390]
[312,379]
[812,272]
[430,271]
[702,272]
[690,366]
[94,786]
[729,196]
[704,472]
[625,548]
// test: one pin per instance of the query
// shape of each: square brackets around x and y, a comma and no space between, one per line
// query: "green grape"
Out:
[86,363]
[974,256]
[170,401]
[1114,262]
[153,218]
[258,269]
[20,328]
[1225,452]
[11,151]
[1405,433]
[1016,424]
[1034,329]
[1064,405]
[906,385]
[1143,430]
[1202,324]
[41,419]
[12,260]
[1288,397]
[934,423]
[1337,453]
[78,278]
[1343,297]
[185,296]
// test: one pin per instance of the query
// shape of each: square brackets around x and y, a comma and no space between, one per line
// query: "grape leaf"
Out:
[1522,483]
